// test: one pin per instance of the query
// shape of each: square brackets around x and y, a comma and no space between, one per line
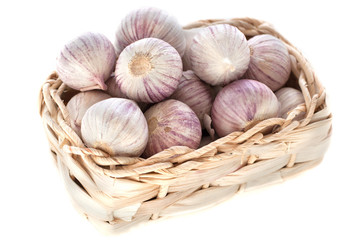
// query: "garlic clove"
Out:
[242,103]
[149,22]
[270,62]
[195,93]
[148,70]
[171,123]
[80,103]
[289,99]
[219,54]
[116,126]
[86,62]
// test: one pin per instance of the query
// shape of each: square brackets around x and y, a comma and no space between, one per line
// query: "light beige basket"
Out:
[115,193]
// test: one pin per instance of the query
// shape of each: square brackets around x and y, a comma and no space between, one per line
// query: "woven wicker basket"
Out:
[115,193]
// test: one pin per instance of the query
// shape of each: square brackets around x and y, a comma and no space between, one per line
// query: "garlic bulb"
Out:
[195,93]
[241,103]
[86,62]
[148,70]
[150,23]
[289,99]
[113,88]
[79,104]
[270,62]
[171,123]
[219,54]
[116,126]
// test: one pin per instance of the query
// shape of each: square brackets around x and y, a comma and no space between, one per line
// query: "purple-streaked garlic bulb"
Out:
[270,62]
[150,22]
[113,89]
[195,93]
[86,62]
[219,54]
[116,126]
[171,123]
[289,99]
[148,70]
[241,103]
[80,103]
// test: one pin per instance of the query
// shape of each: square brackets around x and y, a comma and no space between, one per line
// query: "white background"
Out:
[322,203]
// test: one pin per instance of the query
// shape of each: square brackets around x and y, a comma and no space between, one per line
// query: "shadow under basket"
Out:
[115,193]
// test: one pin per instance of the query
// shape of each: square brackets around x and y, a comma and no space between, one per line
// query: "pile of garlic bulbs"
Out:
[160,86]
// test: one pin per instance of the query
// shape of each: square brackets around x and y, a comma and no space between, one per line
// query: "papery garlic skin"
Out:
[241,103]
[86,62]
[171,123]
[116,126]
[148,70]
[289,99]
[219,54]
[207,121]
[80,103]
[195,93]
[149,22]
[270,61]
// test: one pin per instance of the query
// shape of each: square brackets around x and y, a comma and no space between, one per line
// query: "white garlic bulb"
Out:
[219,54]
[241,104]
[289,99]
[79,104]
[86,62]
[150,22]
[270,62]
[116,126]
[195,93]
[148,70]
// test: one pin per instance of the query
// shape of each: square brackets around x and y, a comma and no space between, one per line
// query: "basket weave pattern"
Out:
[115,193]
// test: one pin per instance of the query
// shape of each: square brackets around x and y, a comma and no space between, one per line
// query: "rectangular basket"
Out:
[115,193]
